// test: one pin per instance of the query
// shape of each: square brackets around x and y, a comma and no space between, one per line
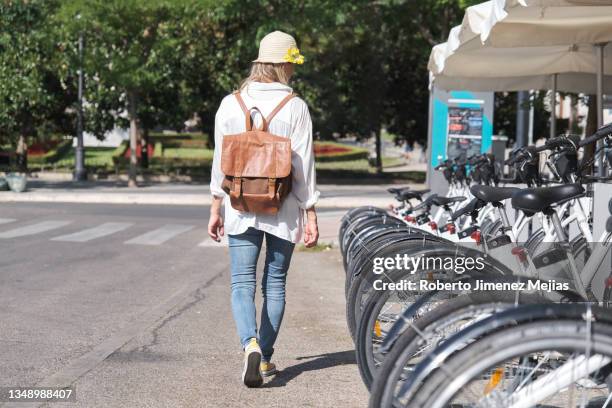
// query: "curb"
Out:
[166,199]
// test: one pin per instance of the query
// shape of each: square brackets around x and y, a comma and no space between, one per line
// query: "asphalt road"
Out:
[131,304]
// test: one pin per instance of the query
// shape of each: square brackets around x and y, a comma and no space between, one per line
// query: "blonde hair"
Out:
[266,72]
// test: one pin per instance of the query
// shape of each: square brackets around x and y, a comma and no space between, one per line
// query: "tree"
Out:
[35,99]
[156,63]
[372,64]
[132,60]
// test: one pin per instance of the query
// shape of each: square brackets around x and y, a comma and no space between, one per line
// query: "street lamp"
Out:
[80,173]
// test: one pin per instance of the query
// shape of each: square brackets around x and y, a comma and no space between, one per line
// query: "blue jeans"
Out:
[244,251]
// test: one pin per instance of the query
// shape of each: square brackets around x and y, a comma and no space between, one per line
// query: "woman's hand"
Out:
[311,230]
[215,223]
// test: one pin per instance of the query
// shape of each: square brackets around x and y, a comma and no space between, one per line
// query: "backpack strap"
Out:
[278,108]
[247,113]
[266,121]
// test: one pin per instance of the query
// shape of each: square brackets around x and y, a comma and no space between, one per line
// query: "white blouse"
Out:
[292,121]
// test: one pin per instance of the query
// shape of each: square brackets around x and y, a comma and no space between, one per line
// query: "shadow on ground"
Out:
[318,362]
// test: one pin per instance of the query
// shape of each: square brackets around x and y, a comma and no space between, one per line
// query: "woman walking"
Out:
[267,101]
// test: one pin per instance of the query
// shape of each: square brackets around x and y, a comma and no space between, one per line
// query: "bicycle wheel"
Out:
[370,241]
[381,309]
[349,217]
[362,281]
[363,223]
[426,332]
[552,364]
[380,315]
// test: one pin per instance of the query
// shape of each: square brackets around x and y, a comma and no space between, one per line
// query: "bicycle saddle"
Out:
[408,194]
[472,206]
[533,200]
[442,201]
[490,194]
[397,190]
[426,203]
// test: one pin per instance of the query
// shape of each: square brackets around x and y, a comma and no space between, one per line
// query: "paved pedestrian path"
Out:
[131,304]
[191,358]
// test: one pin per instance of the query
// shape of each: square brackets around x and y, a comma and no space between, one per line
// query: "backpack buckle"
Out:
[237,190]
[271,187]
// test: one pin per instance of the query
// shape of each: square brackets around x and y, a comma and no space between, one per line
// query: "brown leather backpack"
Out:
[257,165]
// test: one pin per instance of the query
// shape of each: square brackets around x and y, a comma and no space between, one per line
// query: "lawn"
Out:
[190,157]
[205,155]
[95,157]
[349,165]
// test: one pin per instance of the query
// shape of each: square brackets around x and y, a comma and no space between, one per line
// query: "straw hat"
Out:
[278,47]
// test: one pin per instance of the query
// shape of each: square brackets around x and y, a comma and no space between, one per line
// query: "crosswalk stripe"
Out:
[33,229]
[6,220]
[209,242]
[160,235]
[101,230]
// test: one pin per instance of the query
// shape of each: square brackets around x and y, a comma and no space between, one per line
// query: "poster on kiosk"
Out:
[460,126]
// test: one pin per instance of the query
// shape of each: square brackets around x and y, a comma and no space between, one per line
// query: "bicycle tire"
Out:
[511,342]
[410,342]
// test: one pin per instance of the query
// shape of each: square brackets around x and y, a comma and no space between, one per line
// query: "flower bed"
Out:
[332,151]
[42,148]
[60,149]
[127,152]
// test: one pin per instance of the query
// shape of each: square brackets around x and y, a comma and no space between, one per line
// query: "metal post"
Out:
[522,118]
[80,173]
[531,117]
[553,107]
[600,74]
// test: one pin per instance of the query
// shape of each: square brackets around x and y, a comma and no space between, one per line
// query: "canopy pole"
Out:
[531,113]
[553,107]
[522,118]
[600,71]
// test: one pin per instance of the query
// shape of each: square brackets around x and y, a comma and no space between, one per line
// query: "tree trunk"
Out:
[133,117]
[207,124]
[591,127]
[379,166]
[144,149]
[21,155]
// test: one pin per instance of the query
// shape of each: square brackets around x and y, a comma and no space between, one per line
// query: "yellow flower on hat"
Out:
[293,56]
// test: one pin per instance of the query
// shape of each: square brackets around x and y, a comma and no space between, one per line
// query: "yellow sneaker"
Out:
[251,374]
[267,369]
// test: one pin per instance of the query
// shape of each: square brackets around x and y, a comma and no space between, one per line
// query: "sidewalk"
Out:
[332,196]
[191,358]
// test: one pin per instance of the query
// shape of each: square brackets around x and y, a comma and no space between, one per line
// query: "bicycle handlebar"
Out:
[526,153]
[477,160]
[561,141]
[600,134]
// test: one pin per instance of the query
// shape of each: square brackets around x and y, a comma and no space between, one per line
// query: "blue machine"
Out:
[460,124]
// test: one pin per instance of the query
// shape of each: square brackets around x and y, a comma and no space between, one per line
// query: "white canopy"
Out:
[528,23]
[485,68]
